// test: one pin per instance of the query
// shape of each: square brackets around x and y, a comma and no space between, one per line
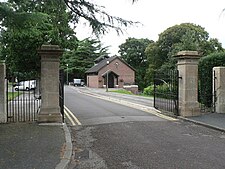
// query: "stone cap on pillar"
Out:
[50,52]
[50,49]
[188,55]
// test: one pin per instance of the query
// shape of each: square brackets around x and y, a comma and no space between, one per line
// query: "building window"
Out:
[117,64]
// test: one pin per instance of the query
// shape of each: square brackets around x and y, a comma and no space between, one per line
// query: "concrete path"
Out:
[29,145]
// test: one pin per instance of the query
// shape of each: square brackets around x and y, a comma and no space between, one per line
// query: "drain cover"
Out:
[82,155]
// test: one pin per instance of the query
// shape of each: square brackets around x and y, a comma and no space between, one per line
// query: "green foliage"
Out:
[82,58]
[12,95]
[133,52]
[21,40]
[149,90]
[27,25]
[161,89]
[99,20]
[185,36]
[206,65]
[122,91]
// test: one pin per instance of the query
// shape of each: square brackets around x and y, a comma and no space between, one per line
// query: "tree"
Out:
[21,40]
[99,20]
[133,52]
[186,36]
[27,24]
[82,58]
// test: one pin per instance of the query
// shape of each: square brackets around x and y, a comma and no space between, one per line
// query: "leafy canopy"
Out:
[133,52]
[186,36]
[27,24]
[82,58]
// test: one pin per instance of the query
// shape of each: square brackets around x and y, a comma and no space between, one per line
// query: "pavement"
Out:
[34,146]
[212,120]
[49,146]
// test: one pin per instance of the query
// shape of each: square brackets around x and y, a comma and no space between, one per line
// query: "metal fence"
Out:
[166,91]
[61,93]
[206,96]
[23,99]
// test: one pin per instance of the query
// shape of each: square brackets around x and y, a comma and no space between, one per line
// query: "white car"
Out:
[26,85]
[78,82]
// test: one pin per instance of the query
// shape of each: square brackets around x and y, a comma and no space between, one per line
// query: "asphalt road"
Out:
[147,101]
[112,136]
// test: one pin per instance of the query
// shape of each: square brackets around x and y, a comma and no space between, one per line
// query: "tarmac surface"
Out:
[33,146]
[211,120]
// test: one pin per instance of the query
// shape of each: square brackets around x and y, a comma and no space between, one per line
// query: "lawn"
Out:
[12,95]
[121,91]
[129,92]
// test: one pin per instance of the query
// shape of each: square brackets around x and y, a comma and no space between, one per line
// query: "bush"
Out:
[163,89]
[149,90]
[205,69]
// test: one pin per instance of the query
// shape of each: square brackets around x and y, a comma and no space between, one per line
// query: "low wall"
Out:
[131,88]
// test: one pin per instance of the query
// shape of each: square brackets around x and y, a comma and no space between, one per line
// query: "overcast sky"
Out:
[158,15]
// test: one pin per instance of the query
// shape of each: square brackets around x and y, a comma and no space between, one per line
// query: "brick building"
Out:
[119,73]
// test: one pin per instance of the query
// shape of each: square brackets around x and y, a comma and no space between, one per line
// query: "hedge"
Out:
[205,69]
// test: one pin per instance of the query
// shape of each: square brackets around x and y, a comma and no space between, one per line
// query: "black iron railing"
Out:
[166,91]
[23,100]
[61,93]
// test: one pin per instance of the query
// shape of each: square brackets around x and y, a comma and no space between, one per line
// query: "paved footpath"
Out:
[31,146]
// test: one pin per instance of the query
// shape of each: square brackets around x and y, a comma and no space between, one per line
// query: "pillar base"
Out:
[189,109]
[48,118]
[50,115]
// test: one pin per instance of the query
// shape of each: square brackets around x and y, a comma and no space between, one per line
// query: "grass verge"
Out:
[121,91]
[12,95]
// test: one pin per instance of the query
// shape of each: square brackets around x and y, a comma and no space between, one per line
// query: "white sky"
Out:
[158,15]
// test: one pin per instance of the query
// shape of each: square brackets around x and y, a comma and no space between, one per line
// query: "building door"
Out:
[111,80]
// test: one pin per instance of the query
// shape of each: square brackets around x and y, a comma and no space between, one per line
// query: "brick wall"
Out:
[126,74]
[92,81]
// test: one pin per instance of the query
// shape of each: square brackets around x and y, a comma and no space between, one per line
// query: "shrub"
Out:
[149,90]
[162,89]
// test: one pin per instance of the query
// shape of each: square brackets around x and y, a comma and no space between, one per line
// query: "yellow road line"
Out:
[70,119]
[73,117]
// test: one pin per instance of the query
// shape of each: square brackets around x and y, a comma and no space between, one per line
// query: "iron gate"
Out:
[61,93]
[166,91]
[23,98]
[207,91]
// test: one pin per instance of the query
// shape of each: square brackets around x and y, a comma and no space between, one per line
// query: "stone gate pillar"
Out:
[3,113]
[188,83]
[50,110]
[219,82]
